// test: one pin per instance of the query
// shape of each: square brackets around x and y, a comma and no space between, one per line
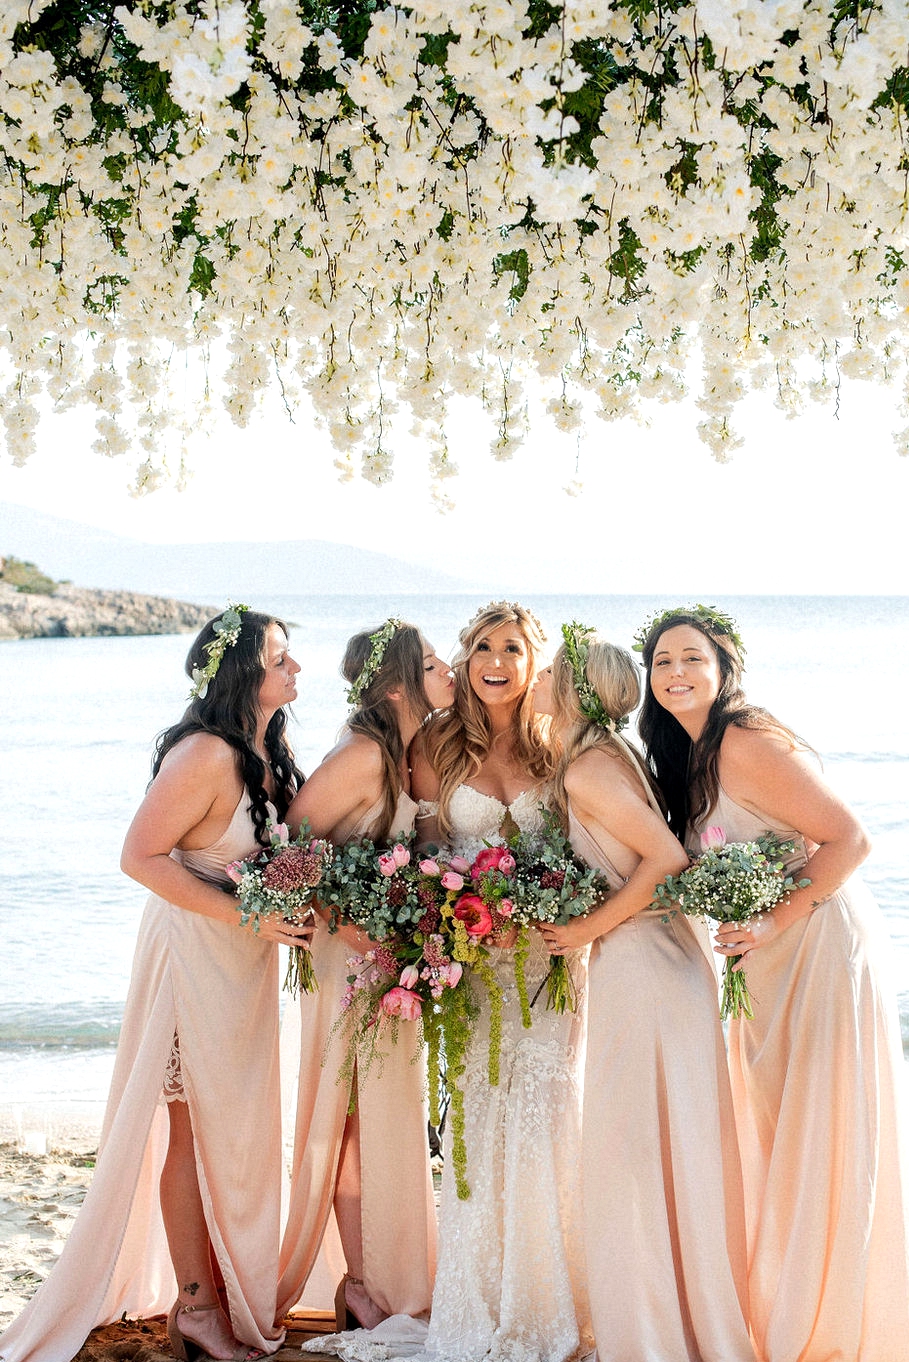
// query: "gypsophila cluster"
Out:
[731,882]
[431,202]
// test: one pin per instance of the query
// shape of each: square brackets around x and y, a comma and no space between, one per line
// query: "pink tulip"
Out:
[280,833]
[506,907]
[234,871]
[410,976]
[401,1002]
[429,867]
[459,864]
[507,863]
[387,865]
[452,973]
[401,855]
[452,881]
[713,837]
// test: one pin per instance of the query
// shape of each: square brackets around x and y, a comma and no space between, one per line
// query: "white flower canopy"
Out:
[381,208]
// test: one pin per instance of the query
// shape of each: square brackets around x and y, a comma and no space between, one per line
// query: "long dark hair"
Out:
[229,709]
[375,715]
[686,771]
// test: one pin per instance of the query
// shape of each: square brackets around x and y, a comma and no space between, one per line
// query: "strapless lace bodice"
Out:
[477,818]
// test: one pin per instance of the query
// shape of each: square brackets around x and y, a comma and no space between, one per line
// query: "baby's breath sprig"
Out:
[576,637]
[718,621]
[227,631]
[379,641]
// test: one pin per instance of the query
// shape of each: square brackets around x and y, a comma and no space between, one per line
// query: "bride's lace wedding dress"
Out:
[510,1279]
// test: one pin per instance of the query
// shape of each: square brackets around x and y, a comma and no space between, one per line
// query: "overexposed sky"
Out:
[810,505]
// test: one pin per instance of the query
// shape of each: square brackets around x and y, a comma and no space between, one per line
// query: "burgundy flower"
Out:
[292,868]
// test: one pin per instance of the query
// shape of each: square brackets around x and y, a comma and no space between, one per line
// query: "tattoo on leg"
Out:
[191,1288]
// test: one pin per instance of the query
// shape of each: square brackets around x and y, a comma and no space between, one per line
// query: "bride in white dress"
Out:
[510,1275]
[509,1283]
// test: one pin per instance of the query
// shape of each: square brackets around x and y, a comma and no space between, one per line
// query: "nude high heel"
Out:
[188,1350]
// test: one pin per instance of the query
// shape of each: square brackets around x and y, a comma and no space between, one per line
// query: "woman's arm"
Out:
[189,805]
[762,770]
[333,799]
[605,793]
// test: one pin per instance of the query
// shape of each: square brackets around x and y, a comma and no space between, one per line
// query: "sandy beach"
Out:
[40,1194]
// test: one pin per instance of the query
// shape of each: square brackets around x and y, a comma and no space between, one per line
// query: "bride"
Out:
[509,1282]
[509,1277]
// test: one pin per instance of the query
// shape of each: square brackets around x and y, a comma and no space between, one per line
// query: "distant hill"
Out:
[93,557]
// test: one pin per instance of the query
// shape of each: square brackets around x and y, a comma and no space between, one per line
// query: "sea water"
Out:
[79,718]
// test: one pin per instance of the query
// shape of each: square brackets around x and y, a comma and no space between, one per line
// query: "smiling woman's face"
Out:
[498,669]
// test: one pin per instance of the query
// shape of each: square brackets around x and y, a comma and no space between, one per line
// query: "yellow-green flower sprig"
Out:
[521,947]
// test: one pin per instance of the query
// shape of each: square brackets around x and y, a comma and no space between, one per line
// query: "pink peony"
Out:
[429,867]
[401,1002]
[505,907]
[451,880]
[713,837]
[401,855]
[388,865]
[507,863]
[472,911]
[410,976]
[488,859]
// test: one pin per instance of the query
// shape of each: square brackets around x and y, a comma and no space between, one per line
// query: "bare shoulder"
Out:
[743,750]
[355,757]
[597,771]
[201,757]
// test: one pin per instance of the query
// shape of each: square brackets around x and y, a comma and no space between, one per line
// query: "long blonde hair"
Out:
[458,739]
[614,675]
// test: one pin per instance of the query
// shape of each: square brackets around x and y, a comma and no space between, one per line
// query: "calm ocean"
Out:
[80,717]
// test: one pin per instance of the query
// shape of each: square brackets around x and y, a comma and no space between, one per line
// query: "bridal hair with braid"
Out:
[686,771]
[457,740]
[375,715]
[229,710]
[613,675]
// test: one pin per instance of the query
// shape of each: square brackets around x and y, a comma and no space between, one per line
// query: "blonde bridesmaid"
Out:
[664,1232]
[818,1076]
[368,1171]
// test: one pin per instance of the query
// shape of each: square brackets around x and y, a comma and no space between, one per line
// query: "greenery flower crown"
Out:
[716,620]
[512,607]
[577,646]
[227,631]
[380,641]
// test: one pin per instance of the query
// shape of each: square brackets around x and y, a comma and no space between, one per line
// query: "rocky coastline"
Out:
[83,612]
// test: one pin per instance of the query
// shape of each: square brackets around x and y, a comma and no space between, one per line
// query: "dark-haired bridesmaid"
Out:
[818,1075]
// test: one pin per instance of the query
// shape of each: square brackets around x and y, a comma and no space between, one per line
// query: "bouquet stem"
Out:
[300,976]
[736,1000]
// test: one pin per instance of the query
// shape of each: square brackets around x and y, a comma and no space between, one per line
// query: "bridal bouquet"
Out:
[731,882]
[551,884]
[281,880]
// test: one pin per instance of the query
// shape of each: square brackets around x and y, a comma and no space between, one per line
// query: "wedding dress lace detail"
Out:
[509,1278]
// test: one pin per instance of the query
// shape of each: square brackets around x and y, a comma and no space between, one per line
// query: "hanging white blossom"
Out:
[435,201]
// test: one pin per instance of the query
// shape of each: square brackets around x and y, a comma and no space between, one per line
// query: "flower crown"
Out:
[577,646]
[227,631]
[511,607]
[380,641]
[717,620]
